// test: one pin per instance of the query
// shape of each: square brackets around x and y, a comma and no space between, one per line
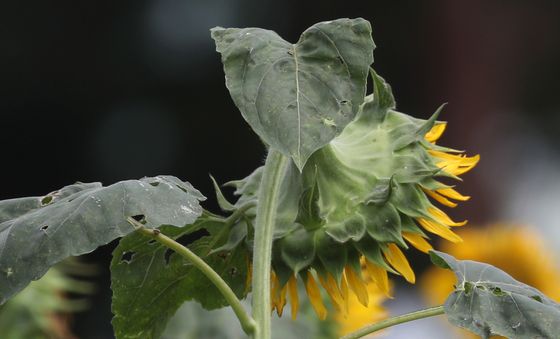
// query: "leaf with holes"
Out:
[298,97]
[38,232]
[488,301]
[150,282]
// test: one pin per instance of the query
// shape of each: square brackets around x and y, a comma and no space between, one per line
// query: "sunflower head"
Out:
[359,201]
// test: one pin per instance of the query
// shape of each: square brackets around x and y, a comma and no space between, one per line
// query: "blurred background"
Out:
[113,90]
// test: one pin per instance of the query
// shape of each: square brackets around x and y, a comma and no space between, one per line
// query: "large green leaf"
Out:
[298,97]
[150,282]
[38,232]
[488,301]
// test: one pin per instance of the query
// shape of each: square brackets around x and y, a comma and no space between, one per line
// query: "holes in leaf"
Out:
[498,292]
[46,200]
[187,239]
[141,218]
[290,53]
[468,286]
[167,256]
[537,298]
[182,188]
[343,102]
[44,228]
[127,256]
[151,242]
[155,183]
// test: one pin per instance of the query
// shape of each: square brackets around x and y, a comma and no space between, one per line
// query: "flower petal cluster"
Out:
[359,202]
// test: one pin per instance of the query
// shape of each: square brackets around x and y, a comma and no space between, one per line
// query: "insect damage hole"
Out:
[46,200]
[167,256]
[127,256]
[141,218]
[44,228]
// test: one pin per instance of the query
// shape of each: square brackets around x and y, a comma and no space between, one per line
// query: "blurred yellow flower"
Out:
[355,315]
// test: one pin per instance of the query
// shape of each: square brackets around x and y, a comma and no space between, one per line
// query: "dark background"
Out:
[113,90]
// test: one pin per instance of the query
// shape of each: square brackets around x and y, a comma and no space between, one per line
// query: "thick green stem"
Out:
[429,312]
[247,323]
[262,249]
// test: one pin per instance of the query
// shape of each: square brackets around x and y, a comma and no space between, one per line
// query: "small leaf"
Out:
[488,301]
[298,249]
[222,201]
[298,97]
[38,232]
[150,287]
[308,212]
[237,233]
[380,193]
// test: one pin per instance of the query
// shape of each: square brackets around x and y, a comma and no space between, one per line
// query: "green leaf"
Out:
[308,212]
[150,282]
[38,232]
[224,204]
[298,249]
[488,301]
[298,97]
[382,94]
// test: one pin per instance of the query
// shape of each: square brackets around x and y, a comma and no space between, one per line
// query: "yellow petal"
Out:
[443,218]
[379,276]
[294,300]
[274,291]
[453,194]
[344,292]
[439,198]
[418,241]
[396,258]
[439,229]
[315,296]
[249,275]
[329,284]
[282,300]
[435,133]
[453,163]
[357,285]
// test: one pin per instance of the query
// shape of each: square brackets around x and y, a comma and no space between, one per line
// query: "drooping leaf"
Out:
[38,232]
[150,282]
[298,97]
[488,301]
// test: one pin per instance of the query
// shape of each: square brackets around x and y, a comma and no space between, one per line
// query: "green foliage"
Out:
[38,232]
[298,97]
[351,181]
[488,301]
[150,282]
[39,311]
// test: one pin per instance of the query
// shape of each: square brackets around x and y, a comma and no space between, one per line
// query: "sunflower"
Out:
[358,202]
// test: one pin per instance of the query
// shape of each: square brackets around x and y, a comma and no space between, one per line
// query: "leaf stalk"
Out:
[425,313]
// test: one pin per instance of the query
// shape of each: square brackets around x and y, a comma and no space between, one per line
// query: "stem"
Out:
[428,312]
[247,323]
[262,250]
